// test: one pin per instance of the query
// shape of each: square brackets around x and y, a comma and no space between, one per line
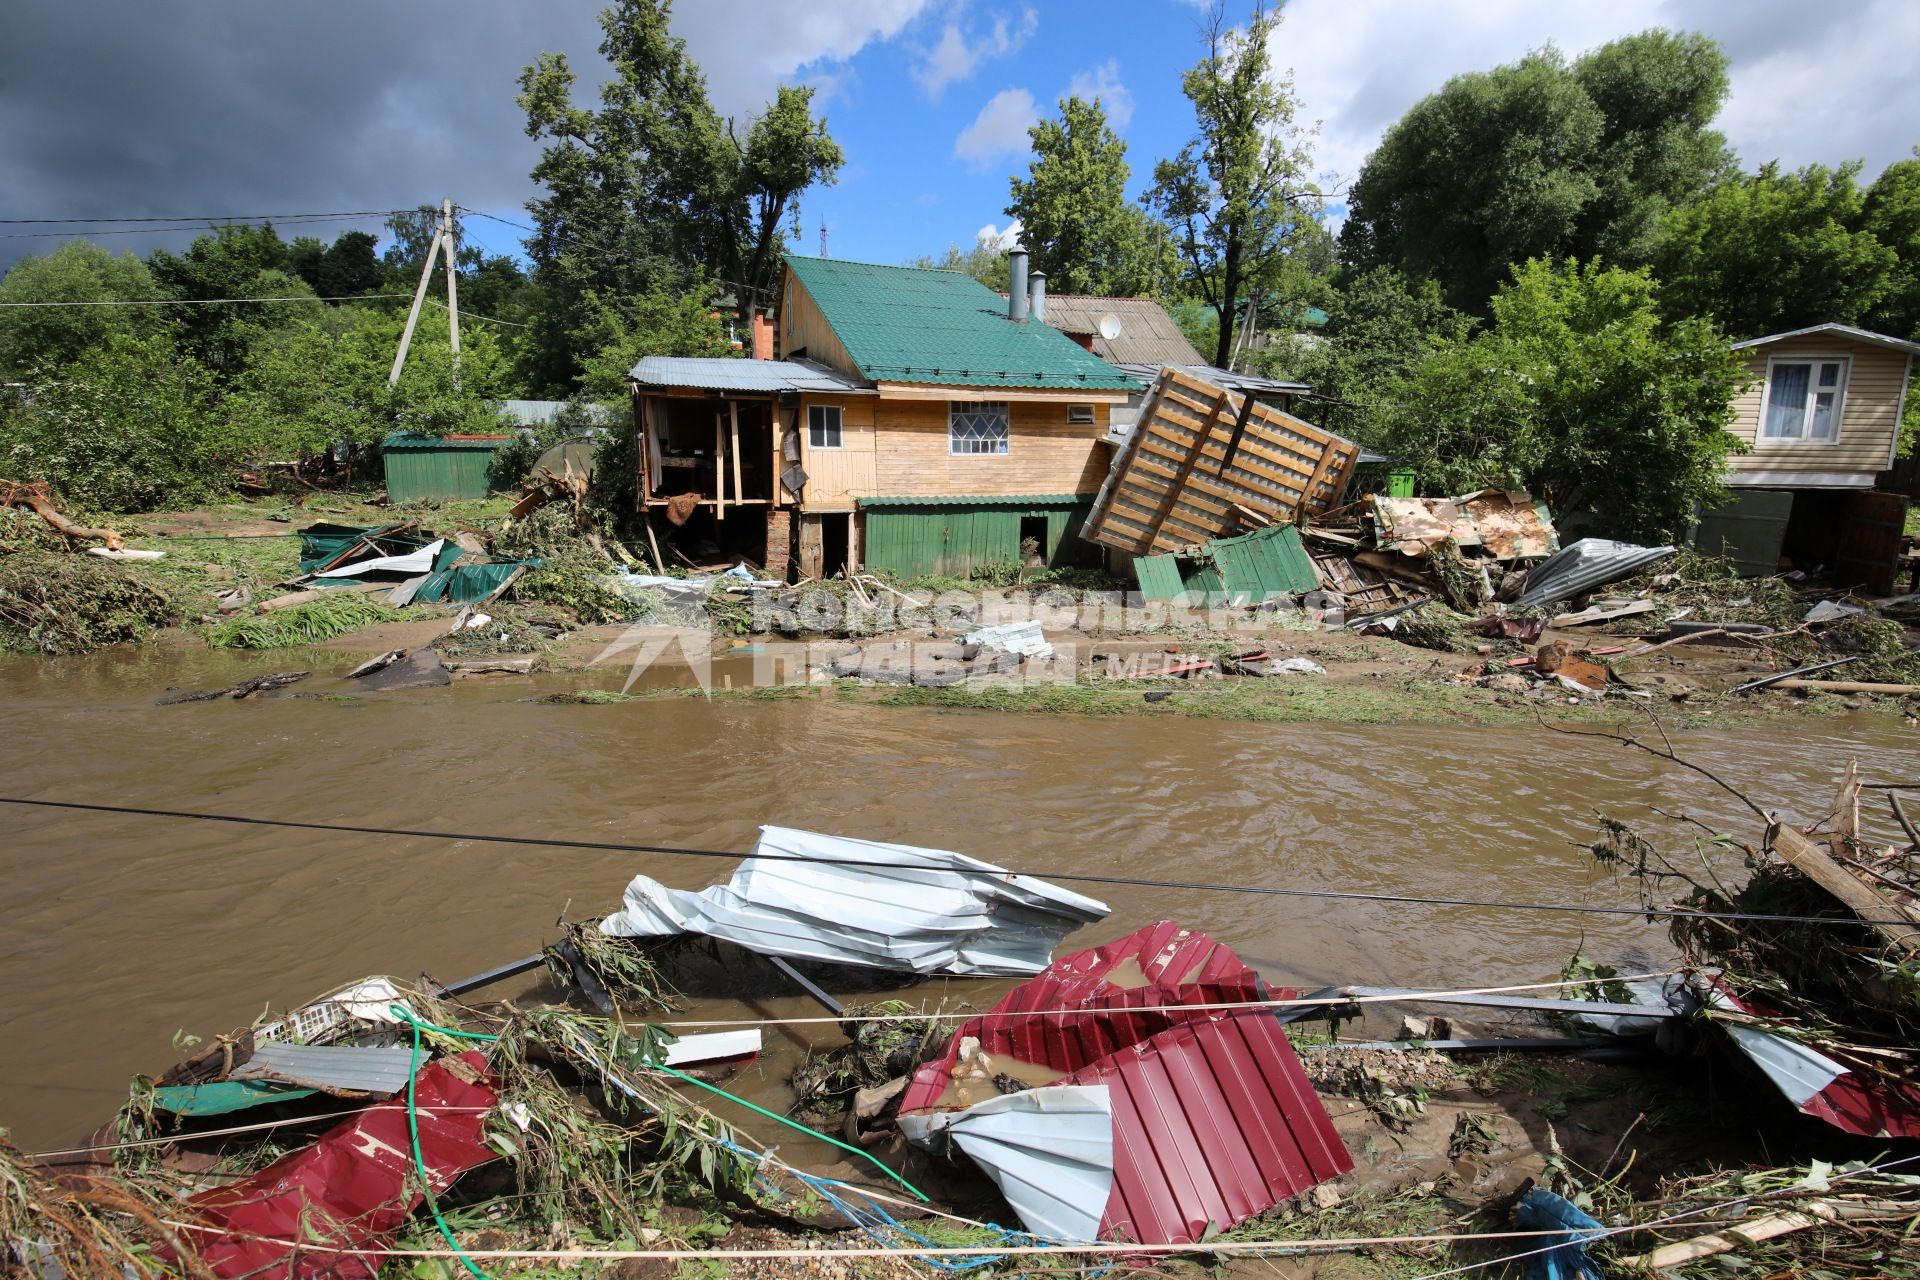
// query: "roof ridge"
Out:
[857,262]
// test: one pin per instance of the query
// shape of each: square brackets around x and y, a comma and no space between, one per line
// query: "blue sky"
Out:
[930,99]
[217,107]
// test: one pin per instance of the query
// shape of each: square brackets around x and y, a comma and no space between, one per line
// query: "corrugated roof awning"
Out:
[1242,382]
[980,500]
[722,373]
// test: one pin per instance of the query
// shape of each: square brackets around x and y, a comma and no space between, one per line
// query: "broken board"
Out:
[1202,460]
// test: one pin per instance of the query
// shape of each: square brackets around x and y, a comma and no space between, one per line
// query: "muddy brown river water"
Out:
[116,932]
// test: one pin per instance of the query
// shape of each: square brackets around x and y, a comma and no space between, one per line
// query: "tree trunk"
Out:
[1229,296]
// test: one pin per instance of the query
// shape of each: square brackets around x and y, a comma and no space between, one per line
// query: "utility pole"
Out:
[442,238]
[453,301]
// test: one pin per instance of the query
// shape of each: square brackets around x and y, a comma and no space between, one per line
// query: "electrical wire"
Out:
[209,302]
[475,315]
[211,217]
[1132,882]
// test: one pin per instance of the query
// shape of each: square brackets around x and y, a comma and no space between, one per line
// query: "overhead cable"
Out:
[1135,882]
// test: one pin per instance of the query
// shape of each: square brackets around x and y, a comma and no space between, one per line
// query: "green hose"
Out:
[793,1124]
[407,1015]
[413,1130]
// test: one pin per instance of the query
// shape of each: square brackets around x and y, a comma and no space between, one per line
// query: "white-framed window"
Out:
[977,426]
[823,426]
[1804,399]
[1079,415]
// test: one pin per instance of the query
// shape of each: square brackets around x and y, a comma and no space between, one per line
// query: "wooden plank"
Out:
[719,469]
[1285,472]
[1808,858]
[1186,467]
[733,412]
[1313,486]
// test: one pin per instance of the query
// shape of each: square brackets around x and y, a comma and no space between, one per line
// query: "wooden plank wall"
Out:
[1045,454]
[1199,451]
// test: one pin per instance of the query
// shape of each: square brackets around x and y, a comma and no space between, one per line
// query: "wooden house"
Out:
[914,421]
[1822,420]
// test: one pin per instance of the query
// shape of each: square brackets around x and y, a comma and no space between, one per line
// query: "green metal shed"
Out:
[1243,570]
[960,536]
[437,467]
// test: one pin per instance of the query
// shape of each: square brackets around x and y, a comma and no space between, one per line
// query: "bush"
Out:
[62,602]
[129,426]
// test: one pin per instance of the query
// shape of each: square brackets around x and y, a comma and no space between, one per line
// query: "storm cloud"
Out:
[198,107]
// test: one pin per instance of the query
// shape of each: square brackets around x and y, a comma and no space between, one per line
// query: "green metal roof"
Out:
[981,500]
[915,324]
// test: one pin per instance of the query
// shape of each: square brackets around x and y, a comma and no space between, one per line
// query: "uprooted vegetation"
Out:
[335,613]
[56,602]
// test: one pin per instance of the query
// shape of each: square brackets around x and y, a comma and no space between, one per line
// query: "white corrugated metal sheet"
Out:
[1050,1151]
[330,1068]
[722,373]
[863,902]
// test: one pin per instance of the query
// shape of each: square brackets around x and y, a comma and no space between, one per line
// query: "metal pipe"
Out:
[1037,295]
[1017,284]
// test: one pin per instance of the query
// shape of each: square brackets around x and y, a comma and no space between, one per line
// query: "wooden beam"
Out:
[1808,858]
[1239,429]
[719,467]
[733,412]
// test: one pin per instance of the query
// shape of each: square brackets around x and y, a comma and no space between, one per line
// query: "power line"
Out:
[211,217]
[475,315]
[144,231]
[1134,882]
[210,302]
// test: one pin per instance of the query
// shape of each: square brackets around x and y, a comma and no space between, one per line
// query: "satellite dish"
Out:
[1110,326]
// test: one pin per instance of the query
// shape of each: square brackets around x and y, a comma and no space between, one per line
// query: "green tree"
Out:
[344,268]
[1891,215]
[78,271]
[1380,327]
[1582,392]
[232,261]
[1075,218]
[1238,195]
[1771,252]
[127,426]
[656,323]
[654,186]
[1541,159]
[319,383]
[985,262]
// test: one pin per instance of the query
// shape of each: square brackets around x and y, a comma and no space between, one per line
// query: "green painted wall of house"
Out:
[959,539]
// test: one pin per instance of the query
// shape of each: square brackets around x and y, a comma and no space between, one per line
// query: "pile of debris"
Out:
[1148,1091]
[54,601]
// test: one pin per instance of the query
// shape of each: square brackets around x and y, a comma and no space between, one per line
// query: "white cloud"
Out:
[1358,66]
[1104,83]
[958,53]
[994,237]
[748,48]
[1000,130]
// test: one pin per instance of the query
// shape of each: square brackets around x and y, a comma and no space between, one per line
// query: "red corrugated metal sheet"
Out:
[1180,966]
[1213,1117]
[353,1188]
[1212,1123]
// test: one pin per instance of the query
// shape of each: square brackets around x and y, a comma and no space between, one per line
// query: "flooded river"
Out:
[117,932]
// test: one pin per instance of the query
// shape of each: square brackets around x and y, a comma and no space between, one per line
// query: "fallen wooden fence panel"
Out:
[1202,461]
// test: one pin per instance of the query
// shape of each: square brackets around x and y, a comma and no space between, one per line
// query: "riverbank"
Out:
[1109,658]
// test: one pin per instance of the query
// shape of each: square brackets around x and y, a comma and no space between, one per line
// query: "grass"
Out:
[1281,701]
[310,623]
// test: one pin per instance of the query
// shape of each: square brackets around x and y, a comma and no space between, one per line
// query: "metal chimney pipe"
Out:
[1037,295]
[1017,284]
